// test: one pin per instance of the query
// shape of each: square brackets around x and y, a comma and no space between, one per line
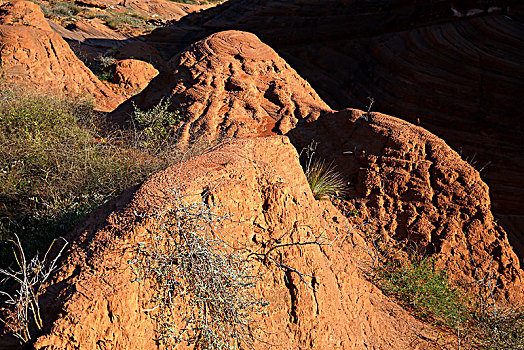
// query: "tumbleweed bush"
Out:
[186,256]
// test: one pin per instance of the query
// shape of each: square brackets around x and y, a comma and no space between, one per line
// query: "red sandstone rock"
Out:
[32,54]
[261,183]
[414,187]
[132,76]
[410,181]
[231,84]
[458,77]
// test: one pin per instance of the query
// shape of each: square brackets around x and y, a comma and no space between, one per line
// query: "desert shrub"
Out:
[477,318]
[425,289]
[501,328]
[29,278]
[58,161]
[156,125]
[199,279]
[119,20]
[64,9]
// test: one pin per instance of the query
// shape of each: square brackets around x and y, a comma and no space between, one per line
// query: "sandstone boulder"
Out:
[414,188]
[452,67]
[231,84]
[132,76]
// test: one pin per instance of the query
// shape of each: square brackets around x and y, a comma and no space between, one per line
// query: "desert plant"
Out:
[479,319]
[119,20]
[23,308]
[185,256]
[422,287]
[156,125]
[324,181]
[501,328]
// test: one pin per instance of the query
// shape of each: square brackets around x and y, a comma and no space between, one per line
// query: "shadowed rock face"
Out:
[454,68]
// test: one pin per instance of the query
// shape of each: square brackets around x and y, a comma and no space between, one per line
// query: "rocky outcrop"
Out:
[132,76]
[33,55]
[98,303]
[452,67]
[416,190]
[409,181]
[231,84]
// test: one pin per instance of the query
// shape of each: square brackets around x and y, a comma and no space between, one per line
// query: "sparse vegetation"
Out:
[478,319]
[58,161]
[119,20]
[424,289]
[325,182]
[29,279]
[59,9]
[104,67]
[157,124]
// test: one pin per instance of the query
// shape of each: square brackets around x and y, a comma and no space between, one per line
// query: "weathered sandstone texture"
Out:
[413,187]
[132,76]
[408,180]
[452,67]
[231,85]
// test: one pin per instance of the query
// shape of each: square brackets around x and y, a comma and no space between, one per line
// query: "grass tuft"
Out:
[324,181]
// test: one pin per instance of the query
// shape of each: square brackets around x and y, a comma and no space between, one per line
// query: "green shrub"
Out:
[156,125]
[424,289]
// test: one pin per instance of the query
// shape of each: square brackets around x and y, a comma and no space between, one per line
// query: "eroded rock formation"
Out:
[231,84]
[413,187]
[452,67]
[260,182]
[407,179]
[33,55]
[132,76]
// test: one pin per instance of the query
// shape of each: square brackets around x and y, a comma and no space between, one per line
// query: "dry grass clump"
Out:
[325,182]
[199,279]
